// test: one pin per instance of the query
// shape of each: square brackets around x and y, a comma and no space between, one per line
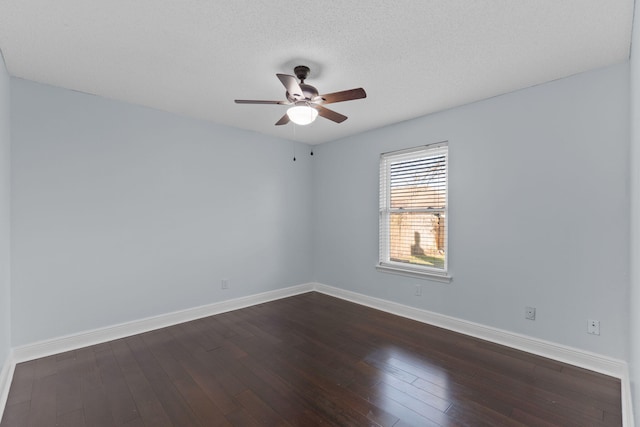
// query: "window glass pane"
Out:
[417,238]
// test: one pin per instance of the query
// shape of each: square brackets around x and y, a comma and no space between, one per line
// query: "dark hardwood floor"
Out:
[304,361]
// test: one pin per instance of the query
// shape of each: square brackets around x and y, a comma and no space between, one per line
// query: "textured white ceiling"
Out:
[194,57]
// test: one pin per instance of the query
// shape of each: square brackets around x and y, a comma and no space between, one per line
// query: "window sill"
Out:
[412,272]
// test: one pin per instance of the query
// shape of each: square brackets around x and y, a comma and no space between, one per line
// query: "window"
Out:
[413,212]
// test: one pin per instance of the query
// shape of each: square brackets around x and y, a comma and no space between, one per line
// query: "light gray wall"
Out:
[5,135]
[122,212]
[634,336]
[539,211]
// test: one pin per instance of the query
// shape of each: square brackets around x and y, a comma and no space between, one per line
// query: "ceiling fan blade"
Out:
[330,114]
[253,101]
[345,95]
[292,85]
[283,120]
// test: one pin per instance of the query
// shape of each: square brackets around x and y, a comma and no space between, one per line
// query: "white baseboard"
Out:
[595,362]
[109,333]
[83,339]
[6,374]
[627,401]
[573,356]
[581,358]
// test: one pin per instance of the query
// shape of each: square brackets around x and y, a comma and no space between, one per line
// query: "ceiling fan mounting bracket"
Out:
[302,72]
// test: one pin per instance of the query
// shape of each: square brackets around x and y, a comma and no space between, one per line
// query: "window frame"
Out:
[385,264]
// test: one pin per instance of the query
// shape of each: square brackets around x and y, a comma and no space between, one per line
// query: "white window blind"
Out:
[413,209]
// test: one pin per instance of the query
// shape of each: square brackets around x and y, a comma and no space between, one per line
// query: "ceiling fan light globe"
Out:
[302,114]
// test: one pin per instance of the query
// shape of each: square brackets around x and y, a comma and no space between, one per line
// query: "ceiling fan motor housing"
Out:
[309,93]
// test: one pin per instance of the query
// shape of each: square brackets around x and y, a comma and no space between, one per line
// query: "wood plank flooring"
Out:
[304,361]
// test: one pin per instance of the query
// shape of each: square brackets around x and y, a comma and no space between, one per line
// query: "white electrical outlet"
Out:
[593,327]
[225,284]
[530,313]
[418,290]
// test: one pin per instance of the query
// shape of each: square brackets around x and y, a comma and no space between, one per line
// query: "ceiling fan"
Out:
[306,104]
